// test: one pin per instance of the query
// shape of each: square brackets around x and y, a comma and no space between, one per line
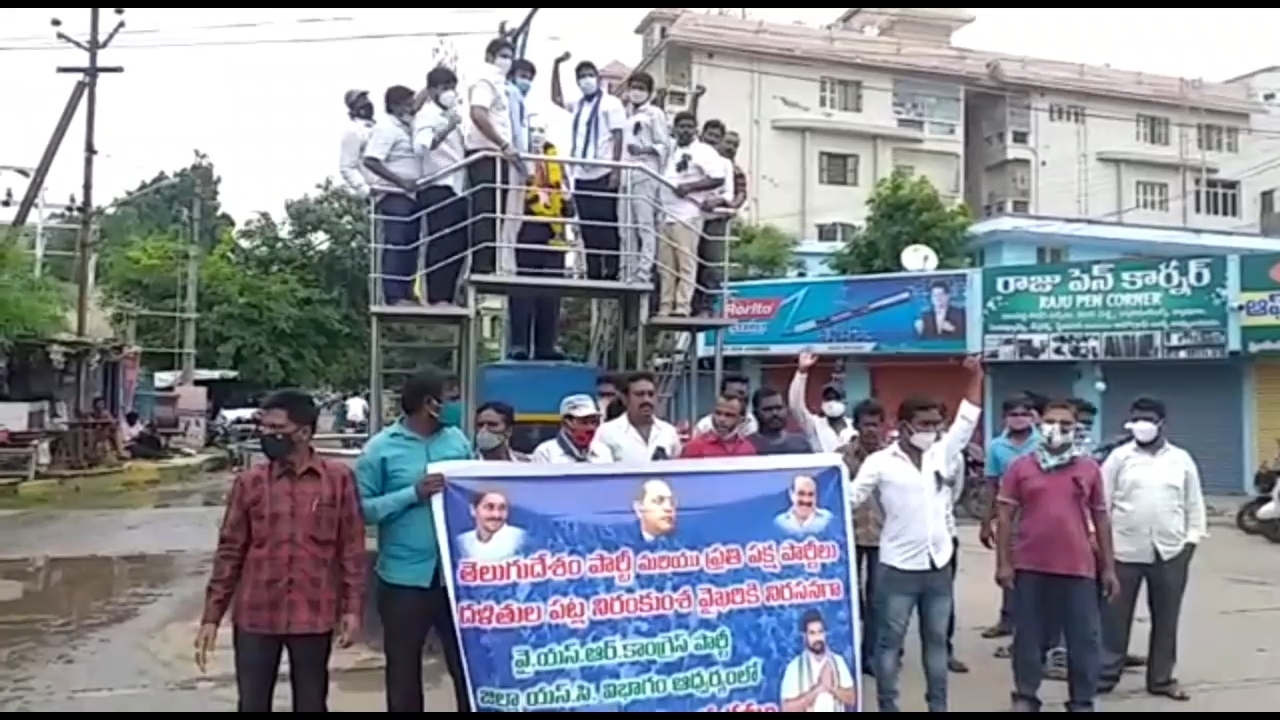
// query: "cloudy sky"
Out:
[259,90]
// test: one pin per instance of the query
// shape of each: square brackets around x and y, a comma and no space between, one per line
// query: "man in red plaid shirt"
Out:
[290,563]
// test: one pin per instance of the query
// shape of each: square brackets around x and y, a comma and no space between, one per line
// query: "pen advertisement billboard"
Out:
[893,314]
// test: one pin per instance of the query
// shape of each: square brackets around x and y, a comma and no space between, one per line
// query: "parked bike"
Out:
[1264,487]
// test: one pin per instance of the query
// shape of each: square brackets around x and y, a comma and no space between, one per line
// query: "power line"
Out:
[199,28]
[279,41]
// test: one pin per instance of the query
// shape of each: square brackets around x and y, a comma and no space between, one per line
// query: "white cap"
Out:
[579,406]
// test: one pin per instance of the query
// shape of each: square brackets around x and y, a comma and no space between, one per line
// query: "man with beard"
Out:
[818,680]
[1018,438]
[804,516]
[639,435]
[772,437]
[725,438]
[696,172]
[868,420]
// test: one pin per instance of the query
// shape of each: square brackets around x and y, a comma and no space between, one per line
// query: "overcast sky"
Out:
[239,85]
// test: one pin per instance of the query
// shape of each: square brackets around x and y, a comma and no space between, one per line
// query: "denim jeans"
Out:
[1044,605]
[898,593]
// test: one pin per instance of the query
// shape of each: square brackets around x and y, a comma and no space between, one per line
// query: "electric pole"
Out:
[89,73]
[189,302]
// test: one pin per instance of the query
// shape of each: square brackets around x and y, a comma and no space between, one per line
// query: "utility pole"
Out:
[189,302]
[89,73]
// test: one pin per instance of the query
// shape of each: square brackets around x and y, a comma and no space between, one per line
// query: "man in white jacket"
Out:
[351,159]
[832,429]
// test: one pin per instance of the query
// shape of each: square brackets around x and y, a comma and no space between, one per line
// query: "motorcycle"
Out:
[1264,484]
[973,499]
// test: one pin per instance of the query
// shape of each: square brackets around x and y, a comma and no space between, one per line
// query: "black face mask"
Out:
[277,446]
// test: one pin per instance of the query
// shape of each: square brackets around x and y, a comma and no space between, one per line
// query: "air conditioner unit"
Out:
[678,99]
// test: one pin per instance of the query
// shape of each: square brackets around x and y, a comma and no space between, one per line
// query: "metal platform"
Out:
[573,287]
[450,313]
[692,324]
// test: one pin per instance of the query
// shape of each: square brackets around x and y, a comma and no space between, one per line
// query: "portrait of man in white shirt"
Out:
[804,517]
[817,680]
[492,540]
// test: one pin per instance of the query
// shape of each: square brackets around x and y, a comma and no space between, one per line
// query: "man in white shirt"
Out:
[648,141]
[832,429]
[804,517]
[489,130]
[818,680]
[638,435]
[720,210]
[356,409]
[390,156]
[598,121]
[437,138]
[1157,519]
[738,385]
[492,539]
[915,480]
[696,172]
[578,440]
[350,159]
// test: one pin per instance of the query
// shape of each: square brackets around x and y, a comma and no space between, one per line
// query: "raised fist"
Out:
[563,57]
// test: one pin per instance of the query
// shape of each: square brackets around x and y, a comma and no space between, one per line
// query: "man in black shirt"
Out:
[772,437]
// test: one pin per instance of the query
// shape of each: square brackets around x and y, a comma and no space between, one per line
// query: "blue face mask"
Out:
[523,84]
[451,413]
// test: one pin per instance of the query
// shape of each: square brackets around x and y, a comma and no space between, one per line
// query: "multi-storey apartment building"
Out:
[826,112]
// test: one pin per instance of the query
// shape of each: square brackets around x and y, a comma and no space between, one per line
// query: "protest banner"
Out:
[677,586]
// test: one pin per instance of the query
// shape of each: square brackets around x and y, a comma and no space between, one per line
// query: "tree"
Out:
[30,306]
[904,210]
[761,251]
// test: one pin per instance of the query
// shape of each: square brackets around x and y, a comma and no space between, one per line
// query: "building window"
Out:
[840,95]
[1152,130]
[1067,114]
[934,108]
[1152,195]
[837,169]
[1217,138]
[1050,255]
[1019,207]
[836,232]
[1267,202]
[1217,198]
[1019,137]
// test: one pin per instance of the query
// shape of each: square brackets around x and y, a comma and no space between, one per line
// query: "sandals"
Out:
[1173,691]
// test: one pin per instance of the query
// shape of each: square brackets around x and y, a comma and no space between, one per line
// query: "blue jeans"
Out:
[1045,605]
[898,593]
[401,230]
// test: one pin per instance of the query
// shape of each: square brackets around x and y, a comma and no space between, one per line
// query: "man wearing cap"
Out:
[576,442]
[351,159]
[831,430]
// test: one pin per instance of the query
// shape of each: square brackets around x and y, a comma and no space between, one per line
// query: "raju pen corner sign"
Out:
[700,588]
[1172,308]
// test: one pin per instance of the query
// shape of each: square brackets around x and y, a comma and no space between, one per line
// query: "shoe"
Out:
[997,631]
[957,666]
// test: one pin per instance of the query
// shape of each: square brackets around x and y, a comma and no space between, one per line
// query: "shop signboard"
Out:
[1260,303]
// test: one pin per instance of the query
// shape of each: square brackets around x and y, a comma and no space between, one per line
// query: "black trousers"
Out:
[597,208]
[257,665]
[711,254]
[535,315]
[408,615]
[489,179]
[868,559]
[447,243]
[400,231]
[1166,583]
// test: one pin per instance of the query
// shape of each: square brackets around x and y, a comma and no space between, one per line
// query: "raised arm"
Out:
[797,401]
[958,435]
[557,90]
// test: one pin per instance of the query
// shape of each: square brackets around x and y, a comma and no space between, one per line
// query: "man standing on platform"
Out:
[490,130]
[648,141]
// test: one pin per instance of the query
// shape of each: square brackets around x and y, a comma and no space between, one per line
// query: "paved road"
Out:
[97,611]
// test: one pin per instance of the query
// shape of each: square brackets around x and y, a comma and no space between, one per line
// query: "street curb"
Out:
[136,475]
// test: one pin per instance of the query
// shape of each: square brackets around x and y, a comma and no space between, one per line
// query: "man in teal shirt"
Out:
[396,487]
[1019,438]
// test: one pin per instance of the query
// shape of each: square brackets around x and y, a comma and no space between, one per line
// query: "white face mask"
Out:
[923,439]
[448,99]
[503,64]
[637,97]
[1054,436]
[833,408]
[1144,431]
[588,85]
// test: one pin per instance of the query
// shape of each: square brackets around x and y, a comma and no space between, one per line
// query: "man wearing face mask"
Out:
[1053,567]
[694,172]
[438,139]
[1158,515]
[519,82]
[489,131]
[720,209]
[648,141]
[576,442]
[1018,438]
[290,560]
[830,430]
[915,479]
[725,439]
[772,436]
[350,159]
[390,156]
[494,423]
[396,486]
[599,121]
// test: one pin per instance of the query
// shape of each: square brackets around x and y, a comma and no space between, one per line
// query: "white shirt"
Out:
[749,426]
[430,121]
[392,142]
[357,409]
[692,163]
[503,544]
[814,524]
[610,115]
[647,126]
[918,519]
[626,444]
[1155,500]
[816,427]
[551,452]
[350,166]
[798,679]
[490,93]
[131,432]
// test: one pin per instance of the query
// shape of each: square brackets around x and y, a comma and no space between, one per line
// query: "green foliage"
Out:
[30,306]
[904,210]
[761,251]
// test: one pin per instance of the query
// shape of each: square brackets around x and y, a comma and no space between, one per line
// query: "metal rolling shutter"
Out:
[1053,380]
[1204,402]
[1266,378]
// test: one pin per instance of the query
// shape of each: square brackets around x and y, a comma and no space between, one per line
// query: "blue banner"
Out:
[874,314]
[680,586]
